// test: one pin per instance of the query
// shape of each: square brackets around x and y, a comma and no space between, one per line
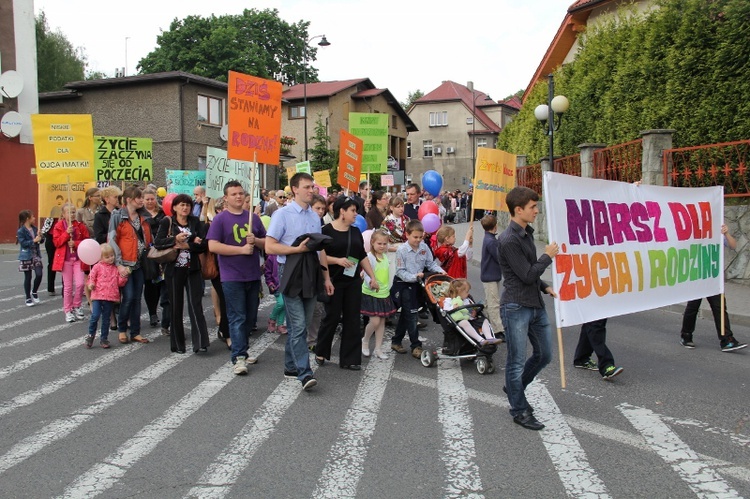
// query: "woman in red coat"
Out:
[67,236]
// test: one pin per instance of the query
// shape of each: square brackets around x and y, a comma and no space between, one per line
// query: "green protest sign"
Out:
[304,167]
[184,181]
[372,130]
[126,159]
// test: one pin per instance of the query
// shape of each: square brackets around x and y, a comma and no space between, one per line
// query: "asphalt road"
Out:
[138,421]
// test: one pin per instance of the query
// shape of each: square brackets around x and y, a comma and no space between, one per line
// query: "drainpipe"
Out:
[182,124]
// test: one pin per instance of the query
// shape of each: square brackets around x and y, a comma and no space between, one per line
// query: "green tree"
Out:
[322,157]
[256,42]
[58,62]
[684,66]
[412,98]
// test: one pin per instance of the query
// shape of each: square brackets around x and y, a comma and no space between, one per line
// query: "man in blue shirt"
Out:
[287,224]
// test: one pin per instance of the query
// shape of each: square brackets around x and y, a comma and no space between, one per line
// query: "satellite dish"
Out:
[224,133]
[11,124]
[11,84]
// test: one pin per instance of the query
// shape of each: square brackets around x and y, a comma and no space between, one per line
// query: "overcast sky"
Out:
[402,45]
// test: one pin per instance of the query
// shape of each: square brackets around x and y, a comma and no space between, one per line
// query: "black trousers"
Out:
[691,314]
[152,293]
[183,282]
[593,339]
[345,306]
[224,323]
[50,247]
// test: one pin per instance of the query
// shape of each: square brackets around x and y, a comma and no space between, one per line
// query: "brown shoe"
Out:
[398,348]
[417,352]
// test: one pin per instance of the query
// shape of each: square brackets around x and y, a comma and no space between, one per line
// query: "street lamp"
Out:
[545,113]
[322,43]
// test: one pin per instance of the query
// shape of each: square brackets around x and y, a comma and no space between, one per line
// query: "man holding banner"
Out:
[521,306]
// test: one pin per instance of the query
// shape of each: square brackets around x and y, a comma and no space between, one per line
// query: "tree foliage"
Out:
[411,99]
[256,42]
[684,66]
[58,62]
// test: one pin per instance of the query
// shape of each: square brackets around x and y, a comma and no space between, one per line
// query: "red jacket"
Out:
[60,238]
[124,239]
[454,265]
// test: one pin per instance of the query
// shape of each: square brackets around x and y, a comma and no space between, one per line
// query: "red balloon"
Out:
[427,207]
[166,205]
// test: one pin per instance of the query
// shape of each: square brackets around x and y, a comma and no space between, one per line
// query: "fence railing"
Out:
[530,176]
[620,162]
[570,165]
[714,164]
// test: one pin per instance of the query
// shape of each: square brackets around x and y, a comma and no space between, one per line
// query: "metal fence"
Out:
[620,162]
[530,176]
[722,164]
[569,165]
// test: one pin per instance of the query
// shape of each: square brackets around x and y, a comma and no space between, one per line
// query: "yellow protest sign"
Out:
[322,178]
[64,147]
[494,177]
[53,196]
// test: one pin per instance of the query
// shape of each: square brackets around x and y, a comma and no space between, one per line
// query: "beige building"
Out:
[182,113]
[331,102]
[453,121]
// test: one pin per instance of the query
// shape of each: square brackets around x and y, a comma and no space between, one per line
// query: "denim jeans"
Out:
[520,322]
[407,319]
[299,312]
[243,300]
[103,309]
[130,307]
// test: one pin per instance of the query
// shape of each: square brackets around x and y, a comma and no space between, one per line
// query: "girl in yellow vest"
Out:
[377,305]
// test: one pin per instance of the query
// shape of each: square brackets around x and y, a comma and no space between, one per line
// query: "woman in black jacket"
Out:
[186,233]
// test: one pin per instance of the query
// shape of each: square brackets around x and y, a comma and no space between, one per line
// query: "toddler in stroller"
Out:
[460,323]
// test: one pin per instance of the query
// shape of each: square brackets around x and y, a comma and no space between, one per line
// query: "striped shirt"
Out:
[521,269]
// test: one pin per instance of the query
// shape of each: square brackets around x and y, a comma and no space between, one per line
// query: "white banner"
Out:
[220,170]
[627,248]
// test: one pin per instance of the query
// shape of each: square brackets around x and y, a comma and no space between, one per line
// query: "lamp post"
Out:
[322,43]
[546,113]
[470,85]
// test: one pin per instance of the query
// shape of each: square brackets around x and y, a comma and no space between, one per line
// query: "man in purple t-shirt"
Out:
[238,250]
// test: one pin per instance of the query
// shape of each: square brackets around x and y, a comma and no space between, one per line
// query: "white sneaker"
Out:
[29,302]
[70,317]
[78,313]
[240,366]
[35,297]
[380,355]
[365,351]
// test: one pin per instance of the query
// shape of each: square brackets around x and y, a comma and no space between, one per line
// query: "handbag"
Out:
[209,265]
[167,255]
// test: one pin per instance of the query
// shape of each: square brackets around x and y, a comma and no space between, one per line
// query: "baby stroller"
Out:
[457,344]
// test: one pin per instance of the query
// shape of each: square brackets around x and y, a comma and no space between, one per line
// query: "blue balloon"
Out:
[360,223]
[432,182]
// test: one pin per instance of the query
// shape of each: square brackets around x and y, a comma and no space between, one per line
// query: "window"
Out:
[209,110]
[201,163]
[296,112]
[481,141]
[394,122]
[439,118]
[427,148]
[408,148]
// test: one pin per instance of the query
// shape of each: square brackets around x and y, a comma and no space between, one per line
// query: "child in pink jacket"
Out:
[104,283]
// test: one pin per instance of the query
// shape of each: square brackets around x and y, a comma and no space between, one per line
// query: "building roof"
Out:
[573,23]
[366,90]
[147,78]
[450,91]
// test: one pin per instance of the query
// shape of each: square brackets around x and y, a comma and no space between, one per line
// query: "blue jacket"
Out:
[490,264]
[29,249]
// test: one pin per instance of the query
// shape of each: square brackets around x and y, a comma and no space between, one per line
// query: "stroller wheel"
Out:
[482,365]
[427,358]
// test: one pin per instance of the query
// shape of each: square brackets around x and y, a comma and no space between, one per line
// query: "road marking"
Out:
[106,474]
[566,452]
[34,336]
[699,476]
[222,474]
[346,459]
[14,297]
[14,324]
[62,427]
[458,451]
[733,435]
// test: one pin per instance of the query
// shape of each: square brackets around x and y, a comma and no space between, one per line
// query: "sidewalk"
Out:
[737,295]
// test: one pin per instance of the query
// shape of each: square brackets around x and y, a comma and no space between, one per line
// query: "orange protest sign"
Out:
[350,160]
[495,175]
[254,119]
